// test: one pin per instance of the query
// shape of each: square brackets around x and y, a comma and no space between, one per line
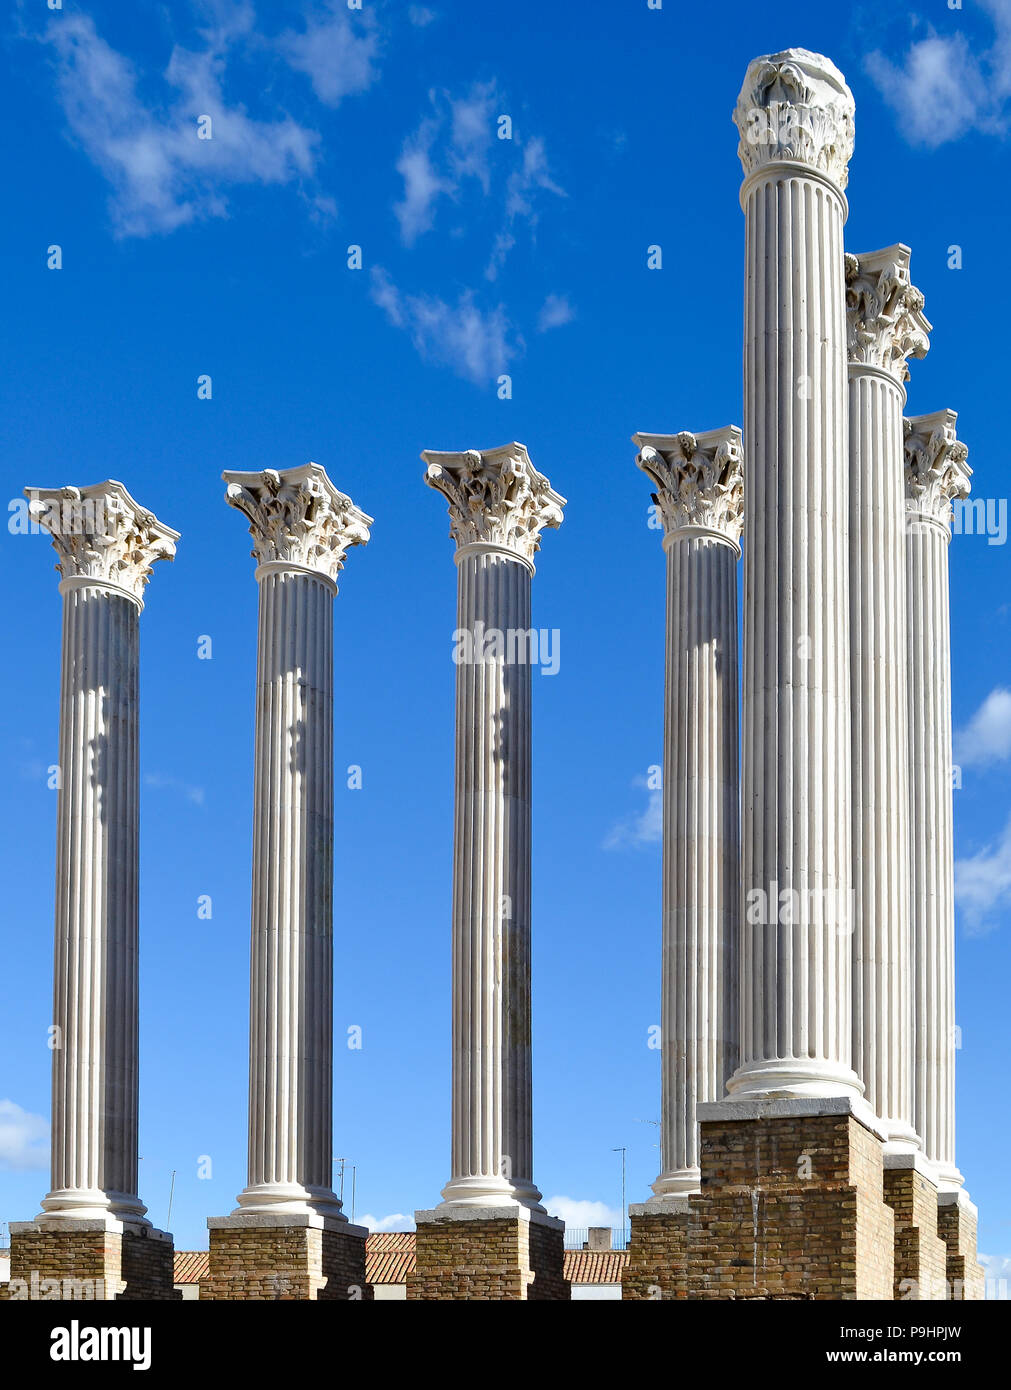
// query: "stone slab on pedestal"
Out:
[792,1203]
[105,1260]
[488,1254]
[657,1250]
[263,1259]
[920,1254]
[956,1225]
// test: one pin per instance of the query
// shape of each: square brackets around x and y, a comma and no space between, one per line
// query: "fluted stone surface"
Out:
[935,472]
[498,505]
[699,496]
[106,545]
[886,325]
[795,115]
[302,527]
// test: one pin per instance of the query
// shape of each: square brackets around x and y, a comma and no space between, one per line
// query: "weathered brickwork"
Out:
[90,1263]
[500,1259]
[956,1225]
[657,1256]
[287,1263]
[920,1254]
[791,1208]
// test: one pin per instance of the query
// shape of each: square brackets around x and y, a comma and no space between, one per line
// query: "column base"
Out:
[956,1225]
[921,1255]
[657,1265]
[792,1203]
[474,1254]
[101,1259]
[263,1259]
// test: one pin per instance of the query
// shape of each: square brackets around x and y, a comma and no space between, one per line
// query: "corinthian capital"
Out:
[297,517]
[699,478]
[885,322]
[796,106]
[496,497]
[100,533]
[936,468]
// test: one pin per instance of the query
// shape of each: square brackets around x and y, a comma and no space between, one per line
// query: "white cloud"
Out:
[983,883]
[578,1212]
[523,184]
[555,312]
[643,828]
[158,781]
[998,1275]
[450,146]
[477,344]
[336,53]
[396,1222]
[421,16]
[162,175]
[941,89]
[987,736]
[24,1138]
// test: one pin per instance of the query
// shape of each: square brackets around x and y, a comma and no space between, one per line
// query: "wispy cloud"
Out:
[421,16]
[162,175]
[986,739]
[451,145]
[641,829]
[24,1138]
[941,89]
[579,1212]
[983,884]
[336,51]
[478,344]
[555,311]
[998,1275]
[524,183]
[158,781]
[398,1221]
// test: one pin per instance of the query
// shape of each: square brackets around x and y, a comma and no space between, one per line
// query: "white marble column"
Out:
[498,505]
[106,545]
[935,472]
[699,496]
[795,116]
[302,528]
[886,326]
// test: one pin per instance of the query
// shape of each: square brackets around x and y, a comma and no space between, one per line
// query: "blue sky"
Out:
[181,257]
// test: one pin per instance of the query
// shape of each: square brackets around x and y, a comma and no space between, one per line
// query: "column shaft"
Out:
[882,998]
[795,974]
[291,985]
[95,1062]
[701,878]
[491,887]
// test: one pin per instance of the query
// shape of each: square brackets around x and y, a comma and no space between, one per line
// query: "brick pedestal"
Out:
[956,1225]
[261,1259]
[792,1203]
[92,1260]
[657,1250]
[920,1254]
[480,1255]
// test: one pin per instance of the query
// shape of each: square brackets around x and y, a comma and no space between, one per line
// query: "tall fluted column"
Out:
[886,326]
[700,491]
[302,528]
[106,545]
[498,505]
[936,472]
[795,116]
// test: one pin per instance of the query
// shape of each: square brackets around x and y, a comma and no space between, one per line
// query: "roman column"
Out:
[107,545]
[498,505]
[795,117]
[302,528]
[886,326]
[936,473]
[699,497]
